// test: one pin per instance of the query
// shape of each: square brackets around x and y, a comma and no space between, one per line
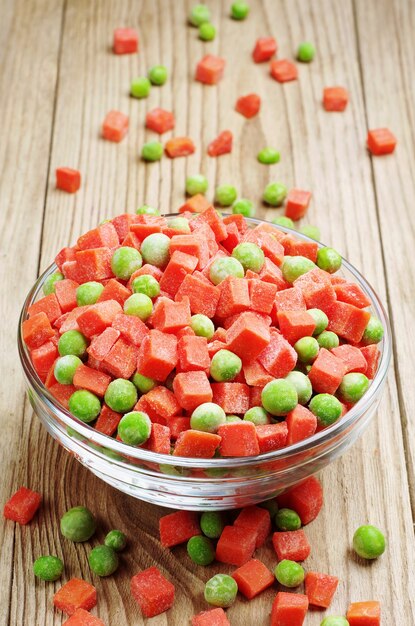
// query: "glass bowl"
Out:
[200,484]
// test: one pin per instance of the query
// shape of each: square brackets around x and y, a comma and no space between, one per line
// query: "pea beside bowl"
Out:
[201,484]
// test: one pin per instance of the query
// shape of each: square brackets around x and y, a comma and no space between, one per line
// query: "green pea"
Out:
[326,408]
[225,365]
[212,524]
[207,32]
[140,87]
[65,368]
[329,260]
[257,415]
[84,405]
[196,184]
[306,52]
[221,590]
[199,14]
[121,395]
[88,293]
[287,519]
[223,267]
[207,417]
[143,383]
[158,75]
[369,542]
[152,151]
[147,210]
[78,524]
[327,339]
[202,325]
[373,331]
[125,261]
[139,305]
[201,550]
[147,285]
[279,397]
[302,386]
[225,195]
[72,342]
[249,255]
[103,561]
[230,419]
[295,266]
[311,231]
[307,349]
[48,568]
[49,284]
[155,249]
[270,505]
[116,540]
[289,573]
[332,620]
[239,10]
[275,194]
[243,207]
[353,387]
[321,320]
[268,156]
[180,223]
[284,221]
[134,428]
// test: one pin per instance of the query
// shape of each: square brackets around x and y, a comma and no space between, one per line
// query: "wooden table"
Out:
[58,80]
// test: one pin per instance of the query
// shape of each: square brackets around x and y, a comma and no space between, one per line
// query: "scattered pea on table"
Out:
[201,550]
[157,75]
[116,540]
[140,87]
[268,156]
[78,524]
[152,151]
[275,194]
[212,523]
[225,195]
[243,207]
[103,560]
[48,568]
[196,184]
[289,573]
[287,519]
[221,590]
[369,542]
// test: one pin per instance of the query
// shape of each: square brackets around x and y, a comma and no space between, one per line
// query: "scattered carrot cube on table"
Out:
[265,48]
[249,105]
[178,527]
[68,179]
[289,609]
[381,141]
[75,594]
[306,499]
[335,98]
[179,147]
[22,506]
[364,613]
[297,203]
[115,126]
[283,70]
[320,588]
[258,520]
[160,120]
[152,591]
[222,144]
[214,617]
[210,69]
[252,578]
[83,618]
[125,41]
[292,545]
[236,545]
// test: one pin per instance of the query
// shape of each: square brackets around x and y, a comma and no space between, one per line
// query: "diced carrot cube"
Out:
[253,578]
[196,444]
[178,425]
[90,379]
[102,344]
[193,354]
[132,241]
[237,219]
[255,396]
[66,254]
[121,360]
[37,330]
[289,609]
[22,506]
[352,358]
[125,41]
[43,358]
[157,355]
[179,265]
[108,420]
[283,70]
[234,297]
[179,147]
[147,268]
[318,292]
[258,520]
[236,545]
[238,439]
[232,239]
[170,316]
[265,48]
[68,179]
[131,328]
[327,372]
[306,499]
[114,290]
[272,248]
[210,69]
[159,440]
[94,264]
[347,321]
[279,357]
[145,225]
[122,224]
[249,105]
[83,618]
[97,317]
[65,291]
[232,397]
[49,305]
[152,591]
[192,246]
[192,389]
[178,527]
[160,120]
[271,273]
[364,613]
[352,294]
[212,219]
[75,594]
[292,545]
[62,393]
[195,204]
[301,423]
[248,336]
[320,588]
[163,402]
[381,141]
[289,300]
[115,126]
[203,297]
[295,247]
[213,617]
[297,203]
[104,236]
[372,356]
[335,98]
[255,374]
[262,295]
[295,324]
[271,436]
[222,144]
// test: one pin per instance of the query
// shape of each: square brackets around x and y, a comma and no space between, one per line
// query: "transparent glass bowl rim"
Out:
[139,454]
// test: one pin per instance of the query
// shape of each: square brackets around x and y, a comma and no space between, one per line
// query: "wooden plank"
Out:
[394,176]
[321,152]
[29,33]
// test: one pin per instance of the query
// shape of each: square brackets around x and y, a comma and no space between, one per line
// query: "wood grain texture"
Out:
[352,200]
